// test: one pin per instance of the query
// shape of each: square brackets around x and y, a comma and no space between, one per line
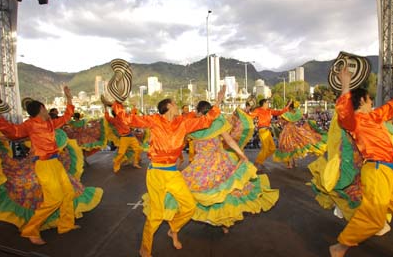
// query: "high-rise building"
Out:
[230,82]
[153,85]
[291,76]
[262,89]
[192,88]
[99,86]
[299,73]
[214,76]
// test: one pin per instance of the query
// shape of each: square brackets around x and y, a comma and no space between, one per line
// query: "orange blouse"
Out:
[265,115]
[370,135]
[120,126]
[167,137]
[40,132]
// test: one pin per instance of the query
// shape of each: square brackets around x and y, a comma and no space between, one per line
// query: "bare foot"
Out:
[225,230]
[143,252]
[338,250]
[386,228]
[69,229]
[37,240]
[135,165]
[175,240]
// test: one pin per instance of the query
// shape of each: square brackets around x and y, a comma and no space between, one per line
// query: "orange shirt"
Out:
[40,132]
[265,115]
[122,128]
[189,115]
[167,137]
[367,129]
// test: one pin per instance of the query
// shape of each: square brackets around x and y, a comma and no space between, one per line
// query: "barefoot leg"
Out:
[176,243]
[37,240]
[338,250]
[143,252]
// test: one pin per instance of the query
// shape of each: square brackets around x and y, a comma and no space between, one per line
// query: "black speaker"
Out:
[43,1]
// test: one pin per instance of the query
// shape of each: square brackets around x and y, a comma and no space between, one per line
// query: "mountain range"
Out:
[44,84]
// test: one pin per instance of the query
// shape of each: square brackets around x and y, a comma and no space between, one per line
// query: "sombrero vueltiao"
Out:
[119,86]
[4,107]
[359,67]
[25,102]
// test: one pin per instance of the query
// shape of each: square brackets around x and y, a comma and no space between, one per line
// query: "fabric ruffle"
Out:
[255,197]
[90,136]
[20,192]
[336,180]
[295,142]
[243,173]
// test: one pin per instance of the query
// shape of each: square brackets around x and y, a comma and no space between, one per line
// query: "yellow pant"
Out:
[124,144]
[159,182]
[267,145]
[377,201]
[58,193]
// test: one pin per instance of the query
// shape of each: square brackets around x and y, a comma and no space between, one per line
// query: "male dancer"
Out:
[56,187]
[355,114]
[264,115]
[168,130]
[127,140]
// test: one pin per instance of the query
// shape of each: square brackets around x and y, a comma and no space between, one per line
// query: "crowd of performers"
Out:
[219,184]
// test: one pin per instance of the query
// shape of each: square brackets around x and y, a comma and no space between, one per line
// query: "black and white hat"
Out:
[4,107]
[25,102]
[119,86]
[358,66]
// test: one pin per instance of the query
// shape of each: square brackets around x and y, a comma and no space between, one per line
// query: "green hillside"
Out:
[45,85]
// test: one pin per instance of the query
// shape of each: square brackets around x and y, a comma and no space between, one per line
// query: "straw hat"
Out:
[4,107]
[359,67]
[119,86]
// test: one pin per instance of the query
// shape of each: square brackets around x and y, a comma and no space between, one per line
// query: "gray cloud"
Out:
[321,28]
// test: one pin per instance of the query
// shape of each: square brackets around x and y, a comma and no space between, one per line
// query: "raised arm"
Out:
[344,107]
[57,123]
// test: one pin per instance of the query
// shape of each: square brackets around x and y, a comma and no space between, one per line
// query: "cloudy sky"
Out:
[74,35]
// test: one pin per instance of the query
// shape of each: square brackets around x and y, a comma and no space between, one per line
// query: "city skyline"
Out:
[72,35]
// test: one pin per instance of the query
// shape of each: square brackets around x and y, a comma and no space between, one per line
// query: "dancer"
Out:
[127,140]
[264,115]
[223,187]
[56,186]
[295,142]
[168,130]
[20,190]
[355,114]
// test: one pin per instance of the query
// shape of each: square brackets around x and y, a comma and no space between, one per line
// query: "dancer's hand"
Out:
[345,78]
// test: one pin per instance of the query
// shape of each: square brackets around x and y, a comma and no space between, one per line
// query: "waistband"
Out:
[129,135]
[264,127]
[45,158]
[164,167]
[389,164]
